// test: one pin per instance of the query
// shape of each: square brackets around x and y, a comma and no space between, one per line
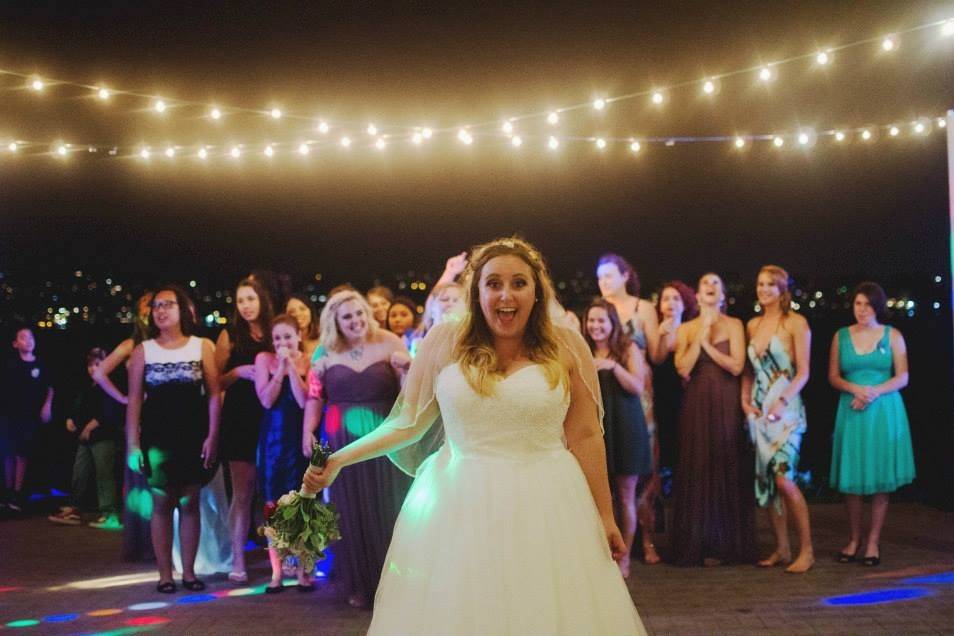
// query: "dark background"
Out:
[832,215]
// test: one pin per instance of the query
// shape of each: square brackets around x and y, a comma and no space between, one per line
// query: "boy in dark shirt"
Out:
[97,418]
[29,403]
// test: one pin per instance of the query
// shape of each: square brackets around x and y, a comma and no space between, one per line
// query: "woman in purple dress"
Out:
[357,380]
[713,502]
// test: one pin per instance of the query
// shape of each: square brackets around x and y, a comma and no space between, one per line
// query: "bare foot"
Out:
[779,556]
[650,556]
[804,563]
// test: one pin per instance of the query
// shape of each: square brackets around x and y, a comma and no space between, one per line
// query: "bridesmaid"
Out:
[300,307]
[235,353]
[358,378]
[622,375]
[872,453]
[713,503]
[778,352]
[280,386]
[676,303]
[380,299]
[402,319]
[619,284]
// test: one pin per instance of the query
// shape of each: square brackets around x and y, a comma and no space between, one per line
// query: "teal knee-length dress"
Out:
[872,447]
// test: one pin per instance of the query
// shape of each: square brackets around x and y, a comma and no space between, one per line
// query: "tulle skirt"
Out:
[487,545]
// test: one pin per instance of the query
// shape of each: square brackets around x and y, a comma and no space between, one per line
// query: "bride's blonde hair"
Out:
[474,349]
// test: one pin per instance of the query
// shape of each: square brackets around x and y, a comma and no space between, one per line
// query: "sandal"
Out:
[278,589]
[195,585]
[239,578]
[844,557]
[169,587]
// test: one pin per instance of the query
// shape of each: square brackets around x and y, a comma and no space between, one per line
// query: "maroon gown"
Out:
[713,500]
[368,495]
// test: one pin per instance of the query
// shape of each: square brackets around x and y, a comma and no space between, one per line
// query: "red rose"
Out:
[269,510]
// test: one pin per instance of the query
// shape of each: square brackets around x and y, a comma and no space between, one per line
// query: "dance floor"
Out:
[66,580]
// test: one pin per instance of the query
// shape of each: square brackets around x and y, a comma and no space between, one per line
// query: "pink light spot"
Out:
[147,620]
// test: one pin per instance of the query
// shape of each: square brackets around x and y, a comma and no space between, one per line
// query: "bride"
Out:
[508,527]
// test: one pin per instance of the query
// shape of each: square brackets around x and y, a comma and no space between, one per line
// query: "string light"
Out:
[417,138]
[777,141]
[553,143]
[507,127]
[61,150]
[839,136]
[372,130]
[203,153]
[144,153]
[947,29]
[889,43]
[600,143]
[380,144]
[236,152]
[766,74]
[866,134]
[346,142]
[806,137]
[553,118]
[516,141]
[634,146]
[103,94]
[599,103]
[658,98]
[427,133]
[12,146]
[269,151]
[323,127]
[894,131]
[215,113]
[303,149]
[465,137]
[823,58]
[37,84]
[159,106]
[276,113]
[709,87]
[941,122]
[170,152]
[739,142]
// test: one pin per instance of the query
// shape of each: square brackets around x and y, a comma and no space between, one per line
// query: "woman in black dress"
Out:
[235,353]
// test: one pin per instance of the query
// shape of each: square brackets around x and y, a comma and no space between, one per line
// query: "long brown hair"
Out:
[625,268]
[241,331]
[781,279]
[474,349]
[618,341]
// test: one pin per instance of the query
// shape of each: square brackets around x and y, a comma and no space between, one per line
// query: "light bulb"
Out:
[61,150]
[269,151]
[215,113]
[866,134]
[658,97]
[778,142]
[426,133]
[947,29]
[823,58]
[380,144]
[889,43]
[12,146]
[941,122]
[236,152]
[516,141]
[346,142]
[507,128]
[275,113]
[553,143]
[170,152]
[372,130]
[600,143]
[159,106]
[709,87]
[323,127]
[553,118]
[766,74]
[144,153]
[839,136]
[303,149]
[599,103]
[634,146]
[37,84]
[739,142]
[894,131]
[103,93]
[203,153]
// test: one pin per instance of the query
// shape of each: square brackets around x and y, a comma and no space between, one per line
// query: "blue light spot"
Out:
[943,577]
[60,618]
[250,545]
[879,596]
[196,598]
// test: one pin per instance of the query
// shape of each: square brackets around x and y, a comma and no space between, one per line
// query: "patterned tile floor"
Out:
[66,580]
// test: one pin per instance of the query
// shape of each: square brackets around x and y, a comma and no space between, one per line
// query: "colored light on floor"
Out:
[879,596]
[123,631]
[145,607]
[942,577]
[248,591]
[27,622]
[196,598]
[222,593]
[8,589]
[104,612]
[60,618]
[147,620]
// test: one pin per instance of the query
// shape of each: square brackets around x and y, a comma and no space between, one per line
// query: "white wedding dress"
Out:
[499,534]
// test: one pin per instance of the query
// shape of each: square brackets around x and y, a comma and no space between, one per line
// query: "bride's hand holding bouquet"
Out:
[319,477]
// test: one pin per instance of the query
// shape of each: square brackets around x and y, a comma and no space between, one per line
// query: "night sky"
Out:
[878,210]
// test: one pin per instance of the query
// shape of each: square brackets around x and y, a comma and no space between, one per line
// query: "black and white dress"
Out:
[175,416]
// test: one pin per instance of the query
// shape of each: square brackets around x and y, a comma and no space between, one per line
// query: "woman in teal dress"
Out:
[871,454]
[778,354]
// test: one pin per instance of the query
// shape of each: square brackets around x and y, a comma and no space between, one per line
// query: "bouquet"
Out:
[300,525]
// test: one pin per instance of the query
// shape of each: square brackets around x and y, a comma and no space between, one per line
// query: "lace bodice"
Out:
[524,417]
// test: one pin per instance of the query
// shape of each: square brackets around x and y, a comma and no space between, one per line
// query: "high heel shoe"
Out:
[872,561]
[844,557]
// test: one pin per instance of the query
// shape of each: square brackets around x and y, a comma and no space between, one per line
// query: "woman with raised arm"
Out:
[176,443]
[521,475]
[872,453]
[713,502]
[235,352]
[357,380]
[778,352]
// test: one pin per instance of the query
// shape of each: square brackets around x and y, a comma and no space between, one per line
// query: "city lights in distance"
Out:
[600,143]
[159,106]
[889,43]
[345,142]
[103,93]
[275,113]
[372,130]
[323,127]
[215,113]
[553,118]
[599,103]
[823,58]
[303,149]
[553,143]
[516,141]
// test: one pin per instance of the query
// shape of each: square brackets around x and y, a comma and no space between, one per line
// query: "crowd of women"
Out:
[683,384]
